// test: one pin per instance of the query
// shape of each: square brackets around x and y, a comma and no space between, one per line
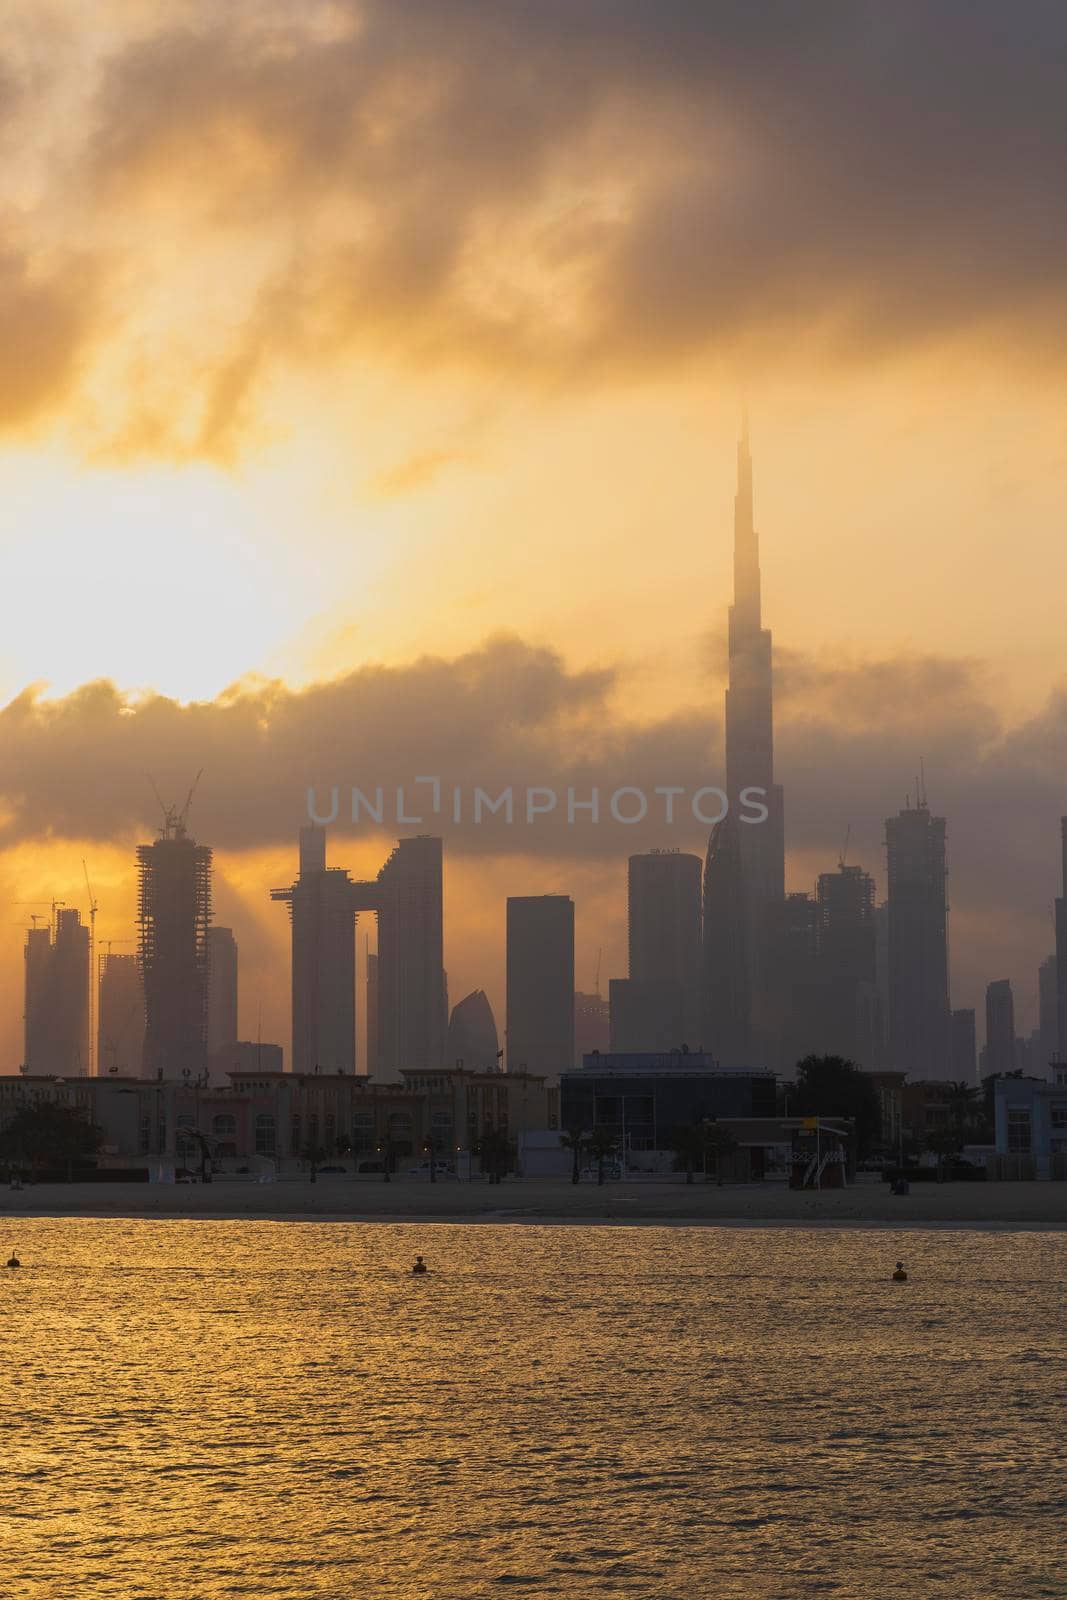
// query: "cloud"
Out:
[849,738]
[562,191]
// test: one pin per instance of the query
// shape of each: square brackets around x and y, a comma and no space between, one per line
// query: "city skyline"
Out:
[294,425]
[751,746]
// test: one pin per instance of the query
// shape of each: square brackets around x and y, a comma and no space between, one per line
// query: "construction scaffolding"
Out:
[173,917]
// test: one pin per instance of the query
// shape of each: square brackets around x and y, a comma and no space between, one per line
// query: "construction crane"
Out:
[843,857]
[596,979]
[93,1063]
[173,819]
[53,906]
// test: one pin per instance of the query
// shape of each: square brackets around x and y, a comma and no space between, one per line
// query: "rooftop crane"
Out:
[173,819]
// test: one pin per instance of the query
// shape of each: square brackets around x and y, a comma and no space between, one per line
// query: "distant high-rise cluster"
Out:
[722,960]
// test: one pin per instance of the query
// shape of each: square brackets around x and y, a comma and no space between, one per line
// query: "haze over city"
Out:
[533,798]
[329,465]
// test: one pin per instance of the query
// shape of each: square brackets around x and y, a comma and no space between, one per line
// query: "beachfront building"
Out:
[1031,1125]
[460,1105]
[275,1123]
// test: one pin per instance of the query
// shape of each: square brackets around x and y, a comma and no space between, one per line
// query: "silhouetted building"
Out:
[643,1099]
[744,1000]
[540,983]
[647,1014]
[797,960]
[1000,1043]
[472,1036]
[221,991]
[664,924]
[57,998]
[592,1024]
[120,1031]
[322,910]
[727,1024]
[964,1049]
[851,1019]
[918,943]
[255,1055]
[1048,1027]
[173,916]
[407,1027]
[372,1012]
[412,1003]
[1061,950]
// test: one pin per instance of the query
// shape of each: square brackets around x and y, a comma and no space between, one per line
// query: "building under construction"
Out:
[173,916]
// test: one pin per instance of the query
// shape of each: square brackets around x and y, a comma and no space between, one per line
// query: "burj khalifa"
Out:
[744,873]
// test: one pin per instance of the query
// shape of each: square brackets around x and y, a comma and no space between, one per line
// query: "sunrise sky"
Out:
[370,378]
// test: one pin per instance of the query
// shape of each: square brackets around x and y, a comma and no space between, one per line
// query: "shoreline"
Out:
[1001,1206]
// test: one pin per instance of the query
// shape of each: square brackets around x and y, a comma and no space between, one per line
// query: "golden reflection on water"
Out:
[255,1409]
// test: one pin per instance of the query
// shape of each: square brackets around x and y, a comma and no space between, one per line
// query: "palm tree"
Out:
[494,1152]
[575,1139]
[962,1098]
[601,1145]
[687,1142]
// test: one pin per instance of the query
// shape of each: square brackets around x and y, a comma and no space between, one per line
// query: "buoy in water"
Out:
[900,1276]
[14,1262]
[420,1265]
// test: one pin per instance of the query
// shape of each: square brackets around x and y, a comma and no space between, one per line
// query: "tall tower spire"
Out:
[745,880]
[745,612]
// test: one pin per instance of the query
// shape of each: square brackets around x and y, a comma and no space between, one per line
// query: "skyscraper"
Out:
[664,927]
[999,1027]
[744,1006]
[406,1027]
[120,1032]
[847,969]
[964,1049]
[173,916]
[472,1035]
[412,1003]
[57,997]
[1048,1028]
[918,943]
[540,983]
[1061,950]
[221,993]
[727,957]
[322,909]
[372,1014]
[592,1024]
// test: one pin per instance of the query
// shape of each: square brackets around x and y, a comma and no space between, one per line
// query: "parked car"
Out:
[612,1170]
[441,1169]
[333,1169]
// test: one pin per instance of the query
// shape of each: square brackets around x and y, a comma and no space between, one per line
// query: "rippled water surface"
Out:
[254,1409]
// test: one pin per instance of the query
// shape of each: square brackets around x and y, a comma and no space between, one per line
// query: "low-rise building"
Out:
[1031,1125]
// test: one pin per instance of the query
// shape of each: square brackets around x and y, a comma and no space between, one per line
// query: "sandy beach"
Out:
[975,1204]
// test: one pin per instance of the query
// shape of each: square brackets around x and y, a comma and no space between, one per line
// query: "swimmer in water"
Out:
[900,1276]
[420,1265]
